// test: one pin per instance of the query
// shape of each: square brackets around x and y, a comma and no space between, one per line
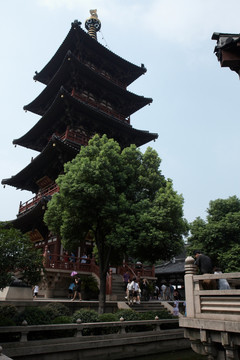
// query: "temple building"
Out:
[227,50]
[85,93]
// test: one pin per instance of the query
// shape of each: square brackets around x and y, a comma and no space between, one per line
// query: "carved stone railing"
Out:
[211,304]
[121,327]
[92,340]
[212,321]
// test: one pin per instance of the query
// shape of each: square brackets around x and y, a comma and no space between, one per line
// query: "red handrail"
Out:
[50,190]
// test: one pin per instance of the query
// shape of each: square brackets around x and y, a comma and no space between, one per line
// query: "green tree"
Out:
[219,235]
[17,255]
[123,199]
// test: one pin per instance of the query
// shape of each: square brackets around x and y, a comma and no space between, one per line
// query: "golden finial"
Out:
[93,24]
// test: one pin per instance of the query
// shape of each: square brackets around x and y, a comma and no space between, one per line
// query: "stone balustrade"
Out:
[89,340]
[212,323]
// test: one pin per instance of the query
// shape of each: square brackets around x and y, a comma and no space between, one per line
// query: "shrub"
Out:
[34,316]
[54,310]
[87,316]
[90,287]
[128,315]
[6,321]
[8,311]
[107,317]
[162,314]
[62,320]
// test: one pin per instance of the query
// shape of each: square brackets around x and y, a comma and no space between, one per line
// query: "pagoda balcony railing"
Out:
[104,74]
[47,191]
[83,265]
[99,106]
[75,137]
[137,270]
[78,264]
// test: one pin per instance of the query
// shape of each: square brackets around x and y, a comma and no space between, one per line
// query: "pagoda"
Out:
[86,93]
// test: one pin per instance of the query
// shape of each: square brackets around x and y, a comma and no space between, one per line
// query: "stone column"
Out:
[190,270]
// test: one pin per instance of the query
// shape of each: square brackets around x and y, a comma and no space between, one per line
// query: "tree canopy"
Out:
[122,197]
[219,235]
[17,255]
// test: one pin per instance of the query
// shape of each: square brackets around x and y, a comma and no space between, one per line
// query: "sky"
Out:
[195,101]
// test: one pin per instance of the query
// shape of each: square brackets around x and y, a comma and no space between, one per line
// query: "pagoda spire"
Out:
[93,24]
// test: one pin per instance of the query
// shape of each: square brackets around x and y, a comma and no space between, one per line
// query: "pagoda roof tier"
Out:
[72,71]
[50,162]
[32,219]
[89,50]
[66,110]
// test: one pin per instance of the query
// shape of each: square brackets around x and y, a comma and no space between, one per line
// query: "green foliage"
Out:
[162,314]
[219,235]
[86,316]
[107,317]
[128,315]
[4,321]
[18,254]
[8,311]
[33,315]
[90,287]
[123,199]
[62,320]
[54,310]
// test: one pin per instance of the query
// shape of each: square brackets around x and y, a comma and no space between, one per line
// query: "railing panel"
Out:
[213,304]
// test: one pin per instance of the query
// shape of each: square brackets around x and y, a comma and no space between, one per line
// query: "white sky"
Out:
[195,101]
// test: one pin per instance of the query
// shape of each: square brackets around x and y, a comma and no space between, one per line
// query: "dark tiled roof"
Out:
[80,114]
[76,35]
[70,67]
[170,267]
[48,162]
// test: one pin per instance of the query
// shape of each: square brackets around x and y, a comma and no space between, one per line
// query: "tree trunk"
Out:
[103,257]
[102,292]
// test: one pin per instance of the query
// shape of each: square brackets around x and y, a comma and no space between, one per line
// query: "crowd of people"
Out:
[141,289]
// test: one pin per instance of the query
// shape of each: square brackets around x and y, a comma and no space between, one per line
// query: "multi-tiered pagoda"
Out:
[86,93]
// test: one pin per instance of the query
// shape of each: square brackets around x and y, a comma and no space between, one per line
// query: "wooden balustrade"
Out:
[136,270]
[99,106]
[50,190]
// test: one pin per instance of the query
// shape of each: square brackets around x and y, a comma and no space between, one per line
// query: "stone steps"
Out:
[145,306]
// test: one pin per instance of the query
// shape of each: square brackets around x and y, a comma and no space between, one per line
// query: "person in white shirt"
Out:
[35,291]
[134,286]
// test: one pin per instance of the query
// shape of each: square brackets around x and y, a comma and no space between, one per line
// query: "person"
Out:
[77,289]
[126,277]
[35,291]
[72,257]
[171,287]
[84,259]
[71,290]
[129,292]
[144,288]
[65,258]
[176,295]
[175,309]
[204,263]
[222,283]
[136,291]
[163,291]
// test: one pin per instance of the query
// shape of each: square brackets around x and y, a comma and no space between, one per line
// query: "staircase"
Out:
[148,306]
[118,290]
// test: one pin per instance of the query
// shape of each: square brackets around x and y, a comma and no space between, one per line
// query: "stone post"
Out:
[190,270]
